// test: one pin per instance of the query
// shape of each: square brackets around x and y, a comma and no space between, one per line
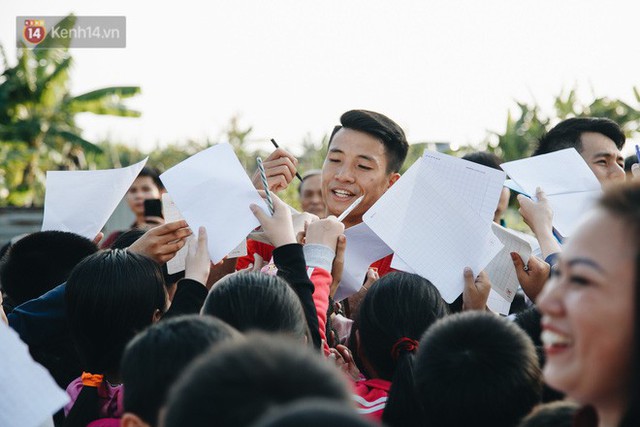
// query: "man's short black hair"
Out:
[41,261]
[476,368]
[484,158]
[629,161]
[567,134]
[381,127]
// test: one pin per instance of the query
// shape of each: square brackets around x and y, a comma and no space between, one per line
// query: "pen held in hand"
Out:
[275,144]
[265,184]
[347,211]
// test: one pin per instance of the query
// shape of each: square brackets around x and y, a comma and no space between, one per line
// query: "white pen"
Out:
[354,205]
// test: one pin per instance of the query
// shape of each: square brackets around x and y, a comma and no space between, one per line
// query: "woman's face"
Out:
[143,188]
[588,313]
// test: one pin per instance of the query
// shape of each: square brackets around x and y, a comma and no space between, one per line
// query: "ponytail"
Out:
[86,407]
[403,407]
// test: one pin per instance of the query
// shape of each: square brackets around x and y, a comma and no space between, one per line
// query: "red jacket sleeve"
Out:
[321,279]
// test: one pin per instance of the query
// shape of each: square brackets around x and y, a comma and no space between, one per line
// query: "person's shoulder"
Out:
[371,396]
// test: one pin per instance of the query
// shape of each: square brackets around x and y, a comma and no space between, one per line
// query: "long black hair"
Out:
[396,311]
[110,296]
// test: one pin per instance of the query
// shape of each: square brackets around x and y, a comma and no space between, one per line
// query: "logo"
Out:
[34,31]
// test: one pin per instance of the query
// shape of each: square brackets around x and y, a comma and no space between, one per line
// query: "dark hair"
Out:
[567,134]
[235,383]
[127,238]
[156,357]
[314,413]
[629,161]
[381,127]
[154,174]
[476,368]
[251,301]
[41,261]
[309,174]
[110,296]
[484,158]
[398,305]
[623,201]
[555,414]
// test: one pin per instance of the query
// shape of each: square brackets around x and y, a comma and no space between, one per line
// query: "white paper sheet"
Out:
[567,180]
[478,185]
[81,202]
[432,229]
[211,189]
[171,213]
[30,396]
[501,271]
[498,304]
[364,248]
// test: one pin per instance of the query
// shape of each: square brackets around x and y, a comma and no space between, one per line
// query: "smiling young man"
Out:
[365,155]
[366,152]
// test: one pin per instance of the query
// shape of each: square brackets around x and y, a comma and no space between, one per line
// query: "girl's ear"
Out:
[157,315]
[132,420]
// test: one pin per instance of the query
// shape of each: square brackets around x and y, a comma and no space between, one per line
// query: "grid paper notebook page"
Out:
[431,228]
[501,270]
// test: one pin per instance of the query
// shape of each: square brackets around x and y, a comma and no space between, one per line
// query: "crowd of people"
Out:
[260,341]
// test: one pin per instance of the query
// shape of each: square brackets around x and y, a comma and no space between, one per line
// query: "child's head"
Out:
[314,413]
[41,261]
[250,301]
[156,357]
[236,383]
[555,414]
[394,314]
[127,238]
[110,296]
[476,368]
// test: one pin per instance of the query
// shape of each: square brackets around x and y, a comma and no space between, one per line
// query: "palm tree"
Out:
[37,117]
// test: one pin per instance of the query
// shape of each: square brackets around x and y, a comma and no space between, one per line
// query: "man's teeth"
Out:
[343,193]
[550,339]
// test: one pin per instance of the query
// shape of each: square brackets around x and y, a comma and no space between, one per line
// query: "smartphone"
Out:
[153,207]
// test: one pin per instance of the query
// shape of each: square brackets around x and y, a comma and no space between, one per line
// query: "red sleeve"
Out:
[254,247]
[383,265]
[321,279]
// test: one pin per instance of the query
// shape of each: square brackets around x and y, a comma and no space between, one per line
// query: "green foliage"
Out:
[37,119]
[522,134]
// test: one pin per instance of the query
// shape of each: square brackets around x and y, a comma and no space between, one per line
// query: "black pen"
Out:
[275,144]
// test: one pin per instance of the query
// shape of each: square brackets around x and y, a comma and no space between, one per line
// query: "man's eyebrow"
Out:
[605,154]
[365,157]
[335,150]
[586,261]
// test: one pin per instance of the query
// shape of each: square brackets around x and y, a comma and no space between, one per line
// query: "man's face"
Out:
[356,164]
[603,157]
[311,196]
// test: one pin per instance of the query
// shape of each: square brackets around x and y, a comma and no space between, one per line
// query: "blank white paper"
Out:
[211,189]
[30,396]
[363,248]
[81,202]
[569,183]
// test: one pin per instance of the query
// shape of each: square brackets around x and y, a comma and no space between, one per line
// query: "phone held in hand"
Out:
[153,207]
